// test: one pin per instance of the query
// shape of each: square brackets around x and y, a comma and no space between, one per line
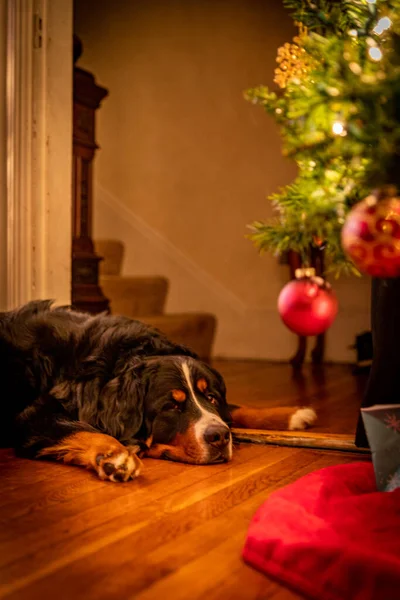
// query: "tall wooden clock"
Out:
[87,97]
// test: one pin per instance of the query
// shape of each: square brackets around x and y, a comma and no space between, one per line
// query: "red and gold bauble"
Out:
[307,305]
[371,234]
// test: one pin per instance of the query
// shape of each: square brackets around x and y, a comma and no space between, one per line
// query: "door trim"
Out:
[39,150]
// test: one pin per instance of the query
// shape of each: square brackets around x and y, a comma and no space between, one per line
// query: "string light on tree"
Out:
[338,109]
[375,53]
[338,128]
[355,68]
[382,25]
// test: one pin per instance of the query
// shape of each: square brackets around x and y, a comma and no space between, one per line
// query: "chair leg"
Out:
[298,359]
[317,354]
[384,382]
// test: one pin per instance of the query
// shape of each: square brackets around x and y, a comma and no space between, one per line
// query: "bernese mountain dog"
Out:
[103,391]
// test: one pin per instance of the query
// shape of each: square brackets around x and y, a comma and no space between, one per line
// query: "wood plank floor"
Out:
[177,532]
[174,533]
[332,390]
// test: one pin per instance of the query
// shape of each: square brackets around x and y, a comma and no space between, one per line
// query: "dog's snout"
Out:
[217,435]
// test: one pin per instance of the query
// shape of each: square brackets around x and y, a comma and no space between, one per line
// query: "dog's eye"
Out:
[212,399]
[171,405]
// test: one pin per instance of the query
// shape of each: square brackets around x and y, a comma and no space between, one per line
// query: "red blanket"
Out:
[330,536]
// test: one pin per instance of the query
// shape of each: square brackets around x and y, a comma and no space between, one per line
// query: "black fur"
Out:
[64,371]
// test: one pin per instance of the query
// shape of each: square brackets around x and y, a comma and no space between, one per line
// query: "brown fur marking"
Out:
[179,395]
[149,441]
[94,451]
[184,447]
[202,385]
[263,418]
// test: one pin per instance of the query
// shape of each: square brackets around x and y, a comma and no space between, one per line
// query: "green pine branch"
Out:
[340,123]
[329,16]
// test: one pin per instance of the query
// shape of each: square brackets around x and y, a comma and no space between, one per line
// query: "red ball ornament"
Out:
[371,234]
[307,305]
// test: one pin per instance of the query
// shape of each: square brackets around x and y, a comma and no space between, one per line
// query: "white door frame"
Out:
[3,156]
[39,150]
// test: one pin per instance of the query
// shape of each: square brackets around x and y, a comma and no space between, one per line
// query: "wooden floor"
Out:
[332,390]
[177,531]
[174,533]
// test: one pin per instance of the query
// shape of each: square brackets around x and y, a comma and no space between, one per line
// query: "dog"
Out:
[104,391]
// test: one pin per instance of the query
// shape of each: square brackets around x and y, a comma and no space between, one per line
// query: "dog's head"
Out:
[175,404]
[186,411]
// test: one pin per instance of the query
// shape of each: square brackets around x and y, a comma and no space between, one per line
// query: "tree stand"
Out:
[383,385]
[317,353]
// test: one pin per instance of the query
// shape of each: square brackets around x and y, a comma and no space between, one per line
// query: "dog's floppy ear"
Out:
[119,409]
[110,402]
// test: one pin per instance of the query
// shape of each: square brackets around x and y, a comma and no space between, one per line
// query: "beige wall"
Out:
[186,163]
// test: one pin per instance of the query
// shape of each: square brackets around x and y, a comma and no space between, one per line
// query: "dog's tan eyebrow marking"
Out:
[201,385]
[179,395]
[149,441]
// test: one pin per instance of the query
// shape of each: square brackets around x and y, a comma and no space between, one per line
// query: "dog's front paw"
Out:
[119,465]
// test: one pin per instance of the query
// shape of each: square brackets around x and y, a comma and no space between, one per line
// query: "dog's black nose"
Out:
[217,435]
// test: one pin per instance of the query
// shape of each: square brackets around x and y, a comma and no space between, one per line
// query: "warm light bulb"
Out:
[375,53]
[382,25]
[355,68]
[338,128]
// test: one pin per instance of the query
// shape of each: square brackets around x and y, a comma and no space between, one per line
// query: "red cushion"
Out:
[330,536]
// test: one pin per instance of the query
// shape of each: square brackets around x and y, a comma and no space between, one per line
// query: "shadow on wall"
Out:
[242,331]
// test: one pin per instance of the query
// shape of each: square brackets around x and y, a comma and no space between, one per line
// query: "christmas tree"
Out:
[338,105]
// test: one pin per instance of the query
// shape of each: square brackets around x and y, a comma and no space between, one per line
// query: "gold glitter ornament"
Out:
[293,60]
